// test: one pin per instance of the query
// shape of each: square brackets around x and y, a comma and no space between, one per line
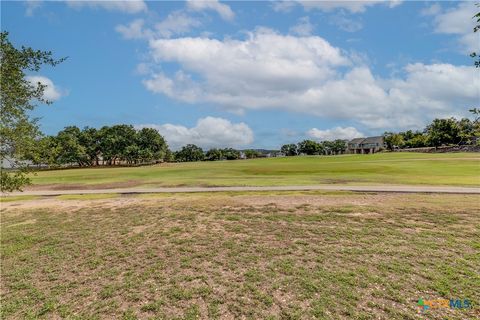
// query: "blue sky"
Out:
[251,74]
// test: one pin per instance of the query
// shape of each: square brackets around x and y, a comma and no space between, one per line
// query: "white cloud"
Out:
[134,30]
[127,6]
[222,9]
[457,21]
[432,10]
[283,6]
[351,6]
[175,23]
[209,132]
[51,92]
[303,28]
[334,133]
[307,75]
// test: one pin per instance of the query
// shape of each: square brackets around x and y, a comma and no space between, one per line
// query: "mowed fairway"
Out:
[248,256]
[456,169]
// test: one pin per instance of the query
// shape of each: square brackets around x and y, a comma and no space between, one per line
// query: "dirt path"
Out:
[373,188]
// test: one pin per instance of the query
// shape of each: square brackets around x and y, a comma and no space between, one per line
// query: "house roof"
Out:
[356,140]
[377,139]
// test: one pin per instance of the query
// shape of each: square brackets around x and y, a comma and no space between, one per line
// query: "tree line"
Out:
[191,152]
[118,145]
[310,147]
[439,132]
[110,145]
[124,145]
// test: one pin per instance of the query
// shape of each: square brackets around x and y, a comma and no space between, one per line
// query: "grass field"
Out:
[298,255]
[461,169]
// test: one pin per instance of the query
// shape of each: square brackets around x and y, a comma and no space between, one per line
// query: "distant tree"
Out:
[214,154]
[418,141]
[169,156]
[289,149]
[251,154]
[443,132]
[18,130]
[413,139]
[116,144]
[339,146]
[151,144]
[131,154]
[393,140]
[89,139]
[469,130]
[230,154]
[188,153]
[114,141]
[334,147]
[46,152]
[69,147]
[310,147]
[327,147]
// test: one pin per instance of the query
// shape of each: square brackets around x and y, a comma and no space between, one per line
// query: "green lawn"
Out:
[460,169]
[277,256]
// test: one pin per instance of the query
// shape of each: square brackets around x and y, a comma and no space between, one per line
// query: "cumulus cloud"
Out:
[334,133]
[222,9]
[134,30]
[51,92]
[351,6]
[209,132]
[303,28]
[127,6]
[307,75]
[457,21]
[283,6]
[176,23]
[264,63]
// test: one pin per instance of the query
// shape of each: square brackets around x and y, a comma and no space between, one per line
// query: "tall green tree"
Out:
[114,141]
[214,154]
[70,149]
[47,152]
[310,147]
[393,140]
[289,149]
[89,138]
[188,153]
[443,132]
[18,97]
[151,144]
[230,154]
[338,146]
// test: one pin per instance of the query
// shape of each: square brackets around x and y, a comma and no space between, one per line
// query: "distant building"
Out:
[366,145]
